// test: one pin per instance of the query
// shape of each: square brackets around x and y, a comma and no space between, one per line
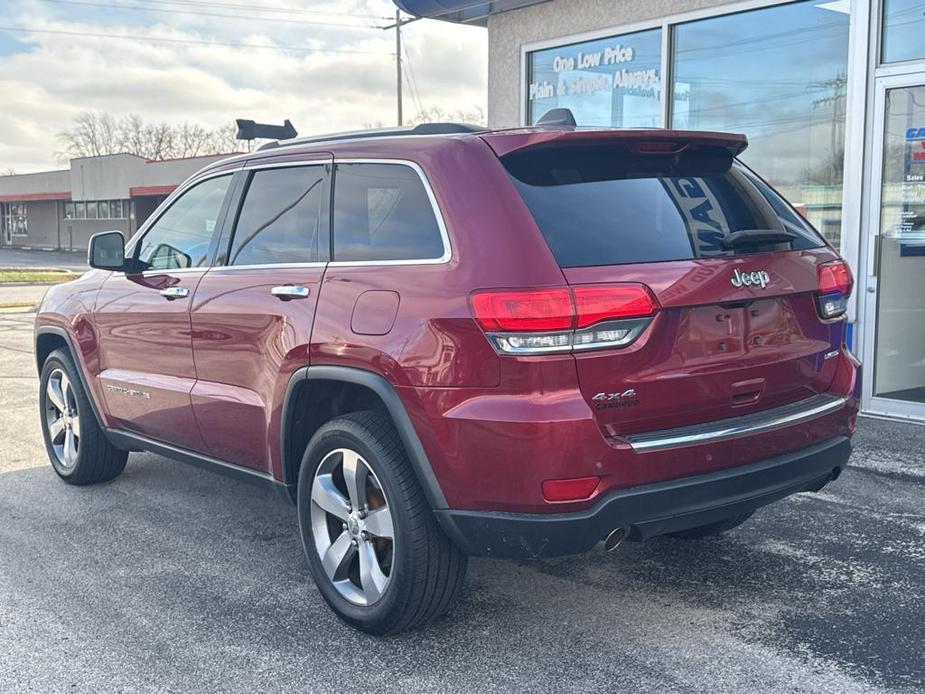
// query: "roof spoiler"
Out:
[643,140]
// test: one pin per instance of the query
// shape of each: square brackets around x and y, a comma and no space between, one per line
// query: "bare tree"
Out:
[97,134]
[9,172]
[93,135]
[132,137]
[434,114]
[223,140]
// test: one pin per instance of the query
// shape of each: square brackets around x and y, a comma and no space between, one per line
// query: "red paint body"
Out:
[493,427]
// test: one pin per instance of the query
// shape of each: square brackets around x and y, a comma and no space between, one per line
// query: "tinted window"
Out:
[180,237]
[382,212]
[604,206]
[280,221]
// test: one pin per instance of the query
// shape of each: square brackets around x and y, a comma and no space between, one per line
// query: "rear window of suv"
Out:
[605,205]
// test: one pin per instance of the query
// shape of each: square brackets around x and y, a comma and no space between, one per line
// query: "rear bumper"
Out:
[652,509]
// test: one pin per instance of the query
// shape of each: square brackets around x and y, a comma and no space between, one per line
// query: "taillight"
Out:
[560,319]
[597,302]
[834,284]
[536,309]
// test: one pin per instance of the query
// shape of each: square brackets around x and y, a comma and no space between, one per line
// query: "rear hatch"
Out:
[733,267]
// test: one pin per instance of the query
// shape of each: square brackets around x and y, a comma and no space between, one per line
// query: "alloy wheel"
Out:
[352,527]
[62,419]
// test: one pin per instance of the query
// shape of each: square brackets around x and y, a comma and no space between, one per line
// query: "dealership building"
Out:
[61,210]
[831,94]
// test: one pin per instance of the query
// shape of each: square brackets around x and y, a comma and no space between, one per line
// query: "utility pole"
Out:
[398,24]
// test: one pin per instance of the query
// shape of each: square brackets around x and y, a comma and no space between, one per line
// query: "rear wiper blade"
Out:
[752,237]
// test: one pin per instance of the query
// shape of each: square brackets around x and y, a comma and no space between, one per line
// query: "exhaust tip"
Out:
[614,539]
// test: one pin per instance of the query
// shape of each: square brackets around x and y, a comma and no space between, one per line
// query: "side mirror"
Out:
[107,251]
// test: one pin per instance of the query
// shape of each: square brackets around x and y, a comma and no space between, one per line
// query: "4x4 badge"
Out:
[607,401]
[630,393]
[745,279]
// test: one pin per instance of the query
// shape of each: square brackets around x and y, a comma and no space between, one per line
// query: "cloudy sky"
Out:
[329,68]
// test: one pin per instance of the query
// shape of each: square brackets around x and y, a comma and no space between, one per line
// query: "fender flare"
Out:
[78,363]
[381,387]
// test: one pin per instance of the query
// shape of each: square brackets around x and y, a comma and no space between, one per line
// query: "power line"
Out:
[163,10]
[412,80]
[262,8]
[137,37]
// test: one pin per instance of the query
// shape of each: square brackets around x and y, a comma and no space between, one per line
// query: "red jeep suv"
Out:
[448,341]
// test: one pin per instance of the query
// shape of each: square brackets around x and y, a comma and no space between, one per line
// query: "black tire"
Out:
[96,459]
[427,570]
[712,528]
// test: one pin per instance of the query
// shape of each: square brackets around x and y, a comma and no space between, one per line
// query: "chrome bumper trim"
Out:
[736,427]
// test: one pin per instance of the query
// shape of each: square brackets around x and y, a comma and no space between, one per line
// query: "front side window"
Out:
[180,237]
[383,212]
[280,220]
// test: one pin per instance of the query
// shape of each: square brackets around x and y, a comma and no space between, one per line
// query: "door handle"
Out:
[285,292]
[172,293]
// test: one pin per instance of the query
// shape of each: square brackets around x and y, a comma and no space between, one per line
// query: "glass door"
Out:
[895,306]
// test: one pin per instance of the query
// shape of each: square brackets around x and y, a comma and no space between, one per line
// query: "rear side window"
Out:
[383,212]
[280,220]
[607,206]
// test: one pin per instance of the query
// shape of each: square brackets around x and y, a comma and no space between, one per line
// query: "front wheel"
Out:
[77,447]
[373,545]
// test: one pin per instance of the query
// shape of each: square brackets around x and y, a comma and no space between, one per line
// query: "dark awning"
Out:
[462,11]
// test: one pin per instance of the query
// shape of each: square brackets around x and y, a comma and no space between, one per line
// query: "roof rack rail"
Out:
[421,129]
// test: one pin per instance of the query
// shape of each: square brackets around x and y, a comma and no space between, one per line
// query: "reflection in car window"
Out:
[607,206]
[382,212]
[280,220]
[180,237]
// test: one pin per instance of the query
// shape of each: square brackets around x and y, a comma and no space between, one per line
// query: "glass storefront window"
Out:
[779,75]
[15,219]
[903,27]
[899,360]
[606,82]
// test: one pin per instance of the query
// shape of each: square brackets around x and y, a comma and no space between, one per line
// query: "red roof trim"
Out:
[36,197]
[151,190]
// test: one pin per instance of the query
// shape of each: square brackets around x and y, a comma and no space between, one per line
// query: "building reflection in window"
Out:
[779,75]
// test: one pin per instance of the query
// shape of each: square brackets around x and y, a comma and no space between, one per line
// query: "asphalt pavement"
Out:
[171,579]
[63,260]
